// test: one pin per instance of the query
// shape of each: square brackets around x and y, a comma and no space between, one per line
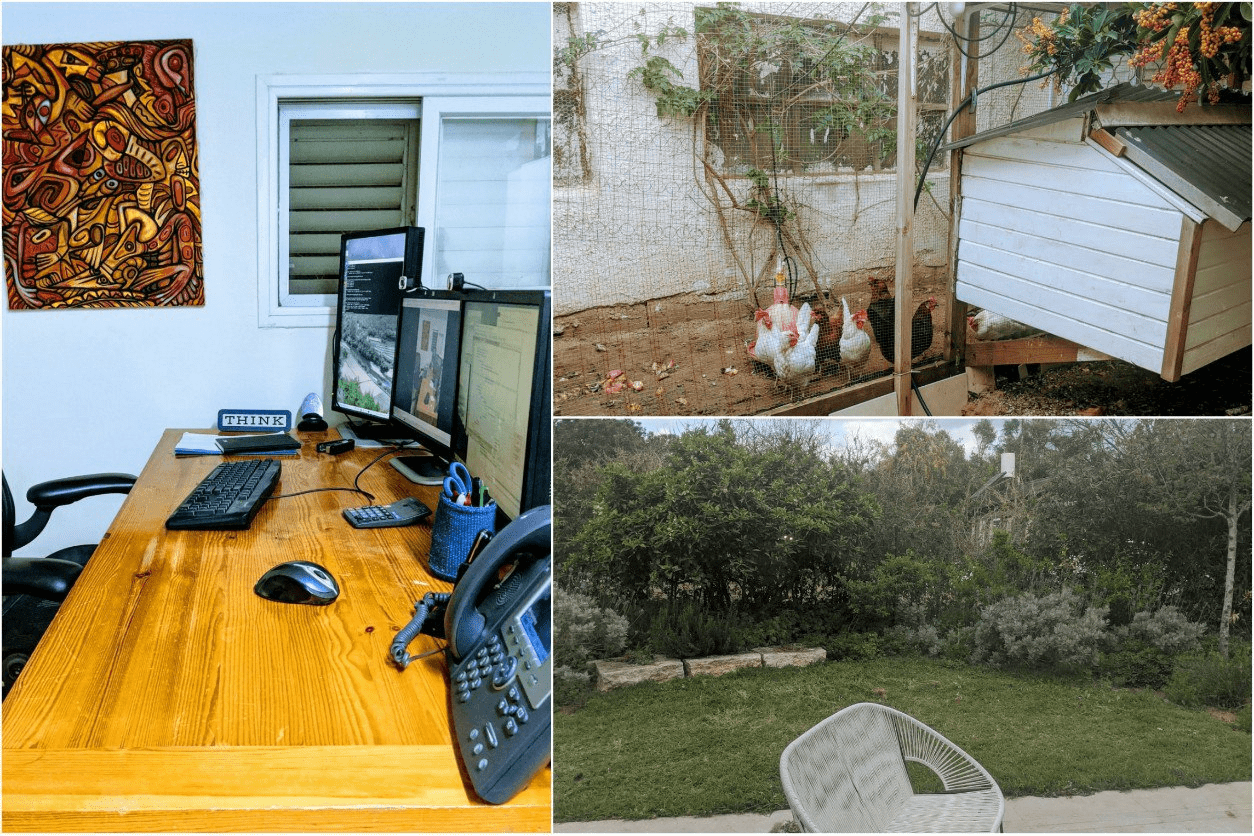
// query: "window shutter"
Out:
[345,175]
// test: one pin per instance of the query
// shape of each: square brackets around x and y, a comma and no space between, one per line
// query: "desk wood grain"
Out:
[166,693]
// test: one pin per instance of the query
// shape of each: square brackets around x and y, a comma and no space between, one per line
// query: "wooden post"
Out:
[907,95]
[965,78]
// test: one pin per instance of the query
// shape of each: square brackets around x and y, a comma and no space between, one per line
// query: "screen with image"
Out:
[371,266]
[503,395]
[427,352]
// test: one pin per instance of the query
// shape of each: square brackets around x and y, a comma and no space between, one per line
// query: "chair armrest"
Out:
[42,577]
[57,492]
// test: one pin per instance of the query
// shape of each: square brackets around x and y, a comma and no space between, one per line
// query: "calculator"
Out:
[402,512]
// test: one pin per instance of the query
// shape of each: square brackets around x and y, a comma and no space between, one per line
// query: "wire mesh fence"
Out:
[701,152]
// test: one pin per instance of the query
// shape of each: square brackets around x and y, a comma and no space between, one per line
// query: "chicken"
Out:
[989,325]
[921,328]
[795,363]
[830,330]
[855,343]
[881,313]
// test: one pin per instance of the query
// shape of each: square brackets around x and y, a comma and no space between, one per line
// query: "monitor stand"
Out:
[371,435]
[422,470]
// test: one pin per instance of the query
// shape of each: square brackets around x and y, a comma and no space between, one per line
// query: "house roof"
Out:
[1202,155]
[1207,165]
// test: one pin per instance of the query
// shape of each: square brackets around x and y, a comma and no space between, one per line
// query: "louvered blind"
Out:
[345,175]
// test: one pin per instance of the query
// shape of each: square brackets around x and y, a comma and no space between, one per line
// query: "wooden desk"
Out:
[167,696]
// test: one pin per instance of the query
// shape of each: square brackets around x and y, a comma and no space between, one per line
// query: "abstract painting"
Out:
[101,176]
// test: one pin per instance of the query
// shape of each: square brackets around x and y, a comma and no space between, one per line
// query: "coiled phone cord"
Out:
[422,609]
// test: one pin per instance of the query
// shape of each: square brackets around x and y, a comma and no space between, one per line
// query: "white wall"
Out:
[88,391]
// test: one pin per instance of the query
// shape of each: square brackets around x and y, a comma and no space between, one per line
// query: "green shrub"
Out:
[1208,679]
[1045,632]
[571,688]
[687,631]
[585,631]
[1147,647]
[853,647]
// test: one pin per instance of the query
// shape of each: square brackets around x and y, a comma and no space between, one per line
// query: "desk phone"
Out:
[498,625]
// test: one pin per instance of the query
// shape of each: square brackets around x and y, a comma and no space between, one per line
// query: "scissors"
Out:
[457,483]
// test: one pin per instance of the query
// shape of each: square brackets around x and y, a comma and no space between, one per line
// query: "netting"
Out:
[699,150]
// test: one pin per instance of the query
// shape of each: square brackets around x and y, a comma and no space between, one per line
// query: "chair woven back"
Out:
[848,773]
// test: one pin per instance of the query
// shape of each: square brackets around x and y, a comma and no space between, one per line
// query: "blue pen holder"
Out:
[454,532]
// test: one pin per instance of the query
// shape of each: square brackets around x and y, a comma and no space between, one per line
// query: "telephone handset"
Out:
[499,630]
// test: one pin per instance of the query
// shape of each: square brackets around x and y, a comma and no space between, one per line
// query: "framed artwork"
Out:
[101,176]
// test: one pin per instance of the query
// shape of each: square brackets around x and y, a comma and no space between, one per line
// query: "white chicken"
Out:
[794,363]
[989,325]
[855,343]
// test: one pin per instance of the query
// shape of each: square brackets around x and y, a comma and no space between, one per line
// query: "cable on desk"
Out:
[410,631]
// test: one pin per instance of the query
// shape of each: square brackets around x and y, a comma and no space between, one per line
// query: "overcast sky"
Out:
[869,429]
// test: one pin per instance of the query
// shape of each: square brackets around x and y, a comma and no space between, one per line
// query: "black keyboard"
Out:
[229,497]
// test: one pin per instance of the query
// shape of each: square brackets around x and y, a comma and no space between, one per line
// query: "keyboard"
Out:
[229,497]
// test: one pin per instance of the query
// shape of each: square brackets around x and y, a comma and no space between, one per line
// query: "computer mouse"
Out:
[298,582]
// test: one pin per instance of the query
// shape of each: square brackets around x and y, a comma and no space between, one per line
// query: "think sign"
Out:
[254,420]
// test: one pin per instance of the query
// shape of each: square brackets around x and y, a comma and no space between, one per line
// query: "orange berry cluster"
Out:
[1179,65]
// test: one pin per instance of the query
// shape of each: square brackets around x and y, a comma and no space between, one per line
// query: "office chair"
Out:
[33,588]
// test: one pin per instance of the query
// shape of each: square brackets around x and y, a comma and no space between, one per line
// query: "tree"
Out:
[1202,48]
[1200,470]
[747,523]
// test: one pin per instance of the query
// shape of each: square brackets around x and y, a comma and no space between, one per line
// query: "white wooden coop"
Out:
[1116,223]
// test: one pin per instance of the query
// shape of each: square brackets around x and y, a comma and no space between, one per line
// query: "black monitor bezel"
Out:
[411,268]
[436,446]
[536,488]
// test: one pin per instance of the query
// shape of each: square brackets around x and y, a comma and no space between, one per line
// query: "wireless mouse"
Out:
[298,582]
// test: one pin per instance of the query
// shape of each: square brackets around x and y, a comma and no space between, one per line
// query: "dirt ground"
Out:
[685,356]
[688,357]
[1117,388]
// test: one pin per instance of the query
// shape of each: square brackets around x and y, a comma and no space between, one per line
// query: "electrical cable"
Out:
[422,609]
[940,137]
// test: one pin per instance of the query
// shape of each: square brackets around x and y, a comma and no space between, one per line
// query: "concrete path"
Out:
[1213,808]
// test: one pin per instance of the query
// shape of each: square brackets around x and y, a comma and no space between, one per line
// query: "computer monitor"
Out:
[367,309]
[504,394]
[424,399]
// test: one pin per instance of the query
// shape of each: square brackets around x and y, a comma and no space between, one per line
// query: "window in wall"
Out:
[468,158]
[349,168]
[809,96]
[492,200]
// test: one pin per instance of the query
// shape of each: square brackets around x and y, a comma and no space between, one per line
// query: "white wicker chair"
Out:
[848,774]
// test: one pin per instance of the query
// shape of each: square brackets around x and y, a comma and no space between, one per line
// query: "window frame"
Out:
[502,94]
[884,39]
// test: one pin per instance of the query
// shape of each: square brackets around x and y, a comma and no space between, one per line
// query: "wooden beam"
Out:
[853,395]
[966,77]
[1044,348]
[1109,141]
[907,99]
[1130,114]
[1181,298]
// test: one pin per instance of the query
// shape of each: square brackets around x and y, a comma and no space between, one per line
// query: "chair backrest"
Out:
[846,774]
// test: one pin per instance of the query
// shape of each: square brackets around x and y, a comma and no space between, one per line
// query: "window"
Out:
[350,167]
[806,96]
[468,159]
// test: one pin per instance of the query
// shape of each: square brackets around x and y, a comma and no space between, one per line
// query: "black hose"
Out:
[940,137]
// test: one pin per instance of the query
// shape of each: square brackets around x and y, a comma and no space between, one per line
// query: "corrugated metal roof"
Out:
[1207,165]
[1125,92]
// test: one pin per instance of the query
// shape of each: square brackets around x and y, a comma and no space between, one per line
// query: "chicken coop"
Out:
[1114,222]
[706,155]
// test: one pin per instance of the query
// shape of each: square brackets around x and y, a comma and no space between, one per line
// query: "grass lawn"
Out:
[707,745]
